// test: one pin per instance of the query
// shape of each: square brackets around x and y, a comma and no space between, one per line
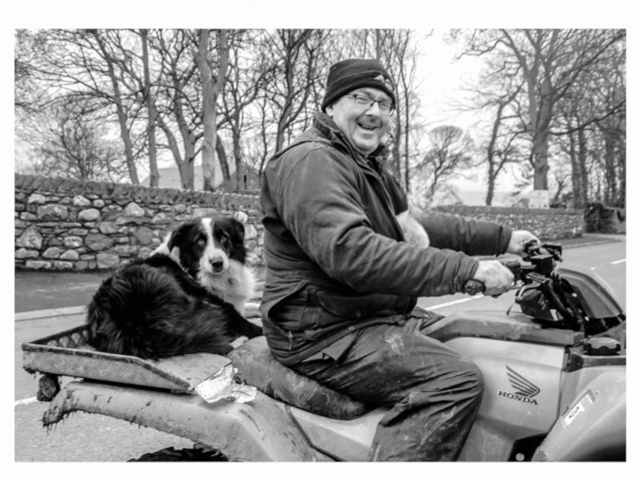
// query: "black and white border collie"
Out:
[189,296]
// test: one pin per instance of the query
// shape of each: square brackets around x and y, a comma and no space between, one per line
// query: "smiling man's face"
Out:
[363,127]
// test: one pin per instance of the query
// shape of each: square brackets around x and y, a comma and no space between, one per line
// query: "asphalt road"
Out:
[83,437]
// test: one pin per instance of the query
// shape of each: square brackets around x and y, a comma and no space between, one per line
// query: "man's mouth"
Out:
[370,128]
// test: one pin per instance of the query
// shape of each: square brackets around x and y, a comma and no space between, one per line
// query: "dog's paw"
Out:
[241,217]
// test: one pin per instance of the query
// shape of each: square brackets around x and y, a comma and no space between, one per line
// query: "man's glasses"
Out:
[366,101]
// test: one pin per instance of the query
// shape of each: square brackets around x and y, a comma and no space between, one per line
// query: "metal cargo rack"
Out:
[68,354]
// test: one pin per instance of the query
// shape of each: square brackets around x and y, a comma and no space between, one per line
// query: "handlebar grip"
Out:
[473,287]
[515,267]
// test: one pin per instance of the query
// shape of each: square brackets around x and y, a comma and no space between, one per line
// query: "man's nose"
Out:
[374,109]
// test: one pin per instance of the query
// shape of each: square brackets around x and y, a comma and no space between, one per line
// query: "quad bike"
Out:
[554,374]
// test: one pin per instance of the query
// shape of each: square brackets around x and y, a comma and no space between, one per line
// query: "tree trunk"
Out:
[622,159]
[575,173]
[210,91]
[540,161]
[611,191]
[237,156]
[491,185]
[187,176]
[154,176]
[185,165]
[396,151]
[222,158]
[582,162]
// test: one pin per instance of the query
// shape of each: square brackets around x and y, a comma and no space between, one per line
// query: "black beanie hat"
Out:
[355,73]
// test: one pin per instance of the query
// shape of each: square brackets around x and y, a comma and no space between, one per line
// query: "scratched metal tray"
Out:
[68,354]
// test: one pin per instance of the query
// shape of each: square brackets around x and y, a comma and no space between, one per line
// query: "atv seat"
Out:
[256,366]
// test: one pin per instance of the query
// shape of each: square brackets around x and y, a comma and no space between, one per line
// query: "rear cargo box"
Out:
[68,354]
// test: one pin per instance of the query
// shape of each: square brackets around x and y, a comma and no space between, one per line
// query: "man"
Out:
[342,283]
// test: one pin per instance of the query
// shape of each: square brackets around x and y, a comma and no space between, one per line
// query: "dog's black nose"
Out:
[217,264]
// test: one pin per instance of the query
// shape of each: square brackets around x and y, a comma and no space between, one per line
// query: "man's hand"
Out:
[518,239]
[496,277]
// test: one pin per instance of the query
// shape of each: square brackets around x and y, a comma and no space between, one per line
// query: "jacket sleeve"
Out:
[473,237]
[319,203]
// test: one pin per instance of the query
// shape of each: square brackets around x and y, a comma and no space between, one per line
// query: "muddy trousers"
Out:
[434,392]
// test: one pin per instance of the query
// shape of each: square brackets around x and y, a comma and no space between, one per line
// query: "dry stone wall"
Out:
[63,224]
[545,223]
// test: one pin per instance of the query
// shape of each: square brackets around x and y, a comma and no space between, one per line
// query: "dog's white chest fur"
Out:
[414,233]
[236,285]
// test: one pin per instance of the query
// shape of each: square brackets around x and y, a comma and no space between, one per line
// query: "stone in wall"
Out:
[89,215]
[53,252]
[98,242]
[52,213]
[59,265]
[129,220]
[160,218]
[38,265]
[106,261]
[134,210]
[204,212]
[81,201]
[143,235]
[23,253]
[70,255]
[36,198]
[127,250]
[108,227]
[72,242]
[30,238]
[250,232]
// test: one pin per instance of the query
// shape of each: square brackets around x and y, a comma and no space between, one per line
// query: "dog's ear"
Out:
[168,247]
[242,217]
[164,246]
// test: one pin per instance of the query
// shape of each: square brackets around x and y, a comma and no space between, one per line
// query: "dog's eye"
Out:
[224,240]
[202,242]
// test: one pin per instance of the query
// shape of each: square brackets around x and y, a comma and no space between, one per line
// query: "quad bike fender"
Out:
[260,430]
[593,427]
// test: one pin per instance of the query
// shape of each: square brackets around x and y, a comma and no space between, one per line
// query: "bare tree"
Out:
[549,62]
[68,140]
[449,155]
[179,107]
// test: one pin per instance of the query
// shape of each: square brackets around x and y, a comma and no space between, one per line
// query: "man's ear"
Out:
[329,110]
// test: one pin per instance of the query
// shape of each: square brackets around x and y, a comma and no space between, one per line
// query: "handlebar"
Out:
[474,287]
[541,259]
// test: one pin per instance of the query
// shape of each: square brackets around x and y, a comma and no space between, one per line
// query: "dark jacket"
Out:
[335,254]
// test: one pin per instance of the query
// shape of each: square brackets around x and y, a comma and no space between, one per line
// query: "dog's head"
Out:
[205,246]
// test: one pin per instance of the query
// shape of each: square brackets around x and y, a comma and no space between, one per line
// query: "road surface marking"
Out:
[54,312]
[618,261]
[25,401]
[442,305]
